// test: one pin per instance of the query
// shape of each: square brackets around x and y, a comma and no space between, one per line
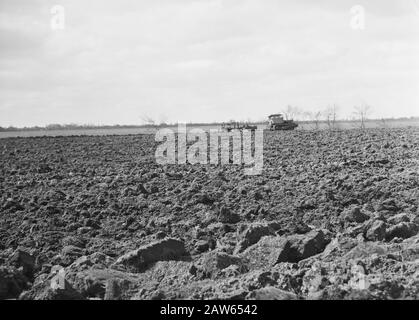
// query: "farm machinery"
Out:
[233,125]
[277,122]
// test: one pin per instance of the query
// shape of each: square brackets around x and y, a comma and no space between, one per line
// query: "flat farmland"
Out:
[303,125]
[334,215]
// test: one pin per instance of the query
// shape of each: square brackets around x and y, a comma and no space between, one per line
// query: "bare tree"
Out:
[383,123]
[291,112]
[327,116]
[288,112]
[298,113]
[148,121]
[316,118]
[313,118]
[361,113]
[305,116]
[335,110]
[331,116]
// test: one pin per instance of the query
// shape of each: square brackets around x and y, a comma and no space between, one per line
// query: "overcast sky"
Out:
[204,60]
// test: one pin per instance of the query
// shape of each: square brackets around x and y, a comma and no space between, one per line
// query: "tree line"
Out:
[329,116]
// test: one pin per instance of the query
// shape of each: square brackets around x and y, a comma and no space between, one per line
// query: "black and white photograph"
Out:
[209,150]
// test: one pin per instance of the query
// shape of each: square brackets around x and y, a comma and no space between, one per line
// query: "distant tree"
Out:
[383,123]
[148,121]
[288,112]
[331,116]
[361,114]
[315,118]
[291,112]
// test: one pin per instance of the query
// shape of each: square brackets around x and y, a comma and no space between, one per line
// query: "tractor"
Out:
[277,122]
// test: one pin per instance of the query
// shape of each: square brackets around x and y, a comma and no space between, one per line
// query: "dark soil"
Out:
[334,215]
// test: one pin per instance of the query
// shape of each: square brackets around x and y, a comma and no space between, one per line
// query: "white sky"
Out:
[204,60]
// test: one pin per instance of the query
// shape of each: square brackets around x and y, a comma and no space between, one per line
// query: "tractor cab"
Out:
[276,118]
[277,122]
